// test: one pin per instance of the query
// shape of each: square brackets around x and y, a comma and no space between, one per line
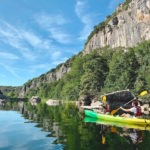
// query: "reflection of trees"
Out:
[65,124]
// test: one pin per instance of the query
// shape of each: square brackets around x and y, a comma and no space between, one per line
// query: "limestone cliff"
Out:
[129,25]
[53,75]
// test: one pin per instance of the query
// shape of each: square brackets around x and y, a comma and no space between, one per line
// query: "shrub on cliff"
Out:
[102,71]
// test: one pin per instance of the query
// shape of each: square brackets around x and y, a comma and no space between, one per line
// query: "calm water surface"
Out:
[26,127]
[18,135]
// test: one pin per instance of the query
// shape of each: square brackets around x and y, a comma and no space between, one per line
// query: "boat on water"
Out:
[117,119]
[116,124]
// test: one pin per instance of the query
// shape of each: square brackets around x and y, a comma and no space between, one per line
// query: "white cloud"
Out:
[26,42]
[35,41]
[10,69]
[35,68]
[56,55]
[8,56]
[86,19]
[60,61]
[50,20]
[41,66]
[54,25]
[60,36]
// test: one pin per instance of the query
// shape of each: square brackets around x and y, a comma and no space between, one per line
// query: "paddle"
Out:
[116,110]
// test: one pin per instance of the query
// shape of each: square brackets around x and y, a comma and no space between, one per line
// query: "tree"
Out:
[96,69]
[1,92]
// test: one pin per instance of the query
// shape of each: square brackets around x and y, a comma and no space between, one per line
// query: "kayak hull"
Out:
[118,119]
[117,124]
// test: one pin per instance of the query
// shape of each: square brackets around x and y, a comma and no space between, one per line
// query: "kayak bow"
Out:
[118,119]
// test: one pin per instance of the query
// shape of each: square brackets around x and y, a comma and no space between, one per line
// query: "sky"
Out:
[37,35]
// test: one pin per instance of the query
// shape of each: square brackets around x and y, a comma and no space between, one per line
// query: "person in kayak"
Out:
[133,112]
[106,108]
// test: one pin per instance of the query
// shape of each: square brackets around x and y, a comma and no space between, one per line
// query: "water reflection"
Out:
[66,125]
[132,135]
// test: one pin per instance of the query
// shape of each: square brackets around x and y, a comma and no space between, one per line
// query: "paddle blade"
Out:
[104,98]
[143,93]
[114,130]
[114,111]
[103,139]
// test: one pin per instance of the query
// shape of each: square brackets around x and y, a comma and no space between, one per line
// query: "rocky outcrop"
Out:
[51,102]
[53,75]
[126,29]
[85,100]
[7,89]
[145,108]
[118,98]
[34,100]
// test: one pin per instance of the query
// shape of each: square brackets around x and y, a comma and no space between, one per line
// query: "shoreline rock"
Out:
[35,100]
[51,102]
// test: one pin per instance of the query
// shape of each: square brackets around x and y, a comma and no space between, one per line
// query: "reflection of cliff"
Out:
[47,124]
[67,127]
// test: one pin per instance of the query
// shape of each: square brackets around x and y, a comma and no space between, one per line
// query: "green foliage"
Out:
[103,70]
[143,56]
[122,73]
[11,92]
[87,72]
[96,69]
[1,92]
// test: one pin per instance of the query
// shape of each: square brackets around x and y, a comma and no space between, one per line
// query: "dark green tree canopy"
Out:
[1,92]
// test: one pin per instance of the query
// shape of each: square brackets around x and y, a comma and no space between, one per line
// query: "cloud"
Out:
[86,19]
[60,36]
[10,69]
[35,68]
[41,66]
[8,56]
[26,42]
[59,61]
[35,41]
[56,55]
[54,25]
[50,20]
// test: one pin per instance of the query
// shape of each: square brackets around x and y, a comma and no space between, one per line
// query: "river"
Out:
[63,127]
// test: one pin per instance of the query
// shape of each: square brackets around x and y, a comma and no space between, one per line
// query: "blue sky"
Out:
[37,35]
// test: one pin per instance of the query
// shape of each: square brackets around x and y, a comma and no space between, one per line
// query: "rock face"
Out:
[85,100]
[51,76]
[128,28]
[35,100]
[3,99]
[6,89]
[118,98]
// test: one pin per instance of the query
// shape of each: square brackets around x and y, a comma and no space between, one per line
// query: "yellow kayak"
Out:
[117,119]
[122,125]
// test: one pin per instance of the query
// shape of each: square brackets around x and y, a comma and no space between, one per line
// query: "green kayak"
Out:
[117,124]
[110,118]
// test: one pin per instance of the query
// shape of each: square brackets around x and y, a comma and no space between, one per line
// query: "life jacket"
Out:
[138,111]
[107,108]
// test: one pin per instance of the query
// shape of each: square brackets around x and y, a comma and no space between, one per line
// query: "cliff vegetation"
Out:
[101,71]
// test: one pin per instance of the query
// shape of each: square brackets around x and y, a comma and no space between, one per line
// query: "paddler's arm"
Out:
[126,110]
